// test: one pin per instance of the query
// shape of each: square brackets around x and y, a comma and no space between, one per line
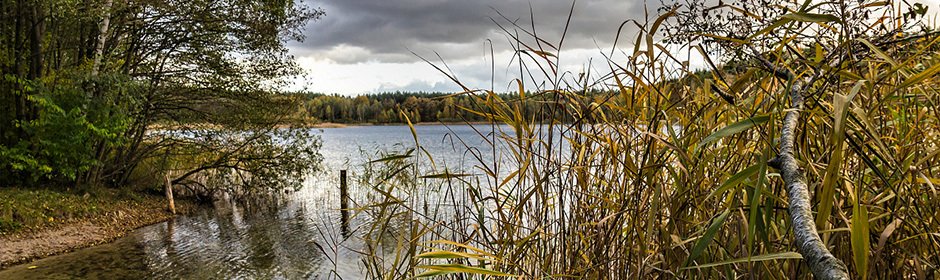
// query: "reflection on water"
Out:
[303,236]
[258,241]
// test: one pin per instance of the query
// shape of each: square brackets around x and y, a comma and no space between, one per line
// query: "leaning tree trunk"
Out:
[821,262]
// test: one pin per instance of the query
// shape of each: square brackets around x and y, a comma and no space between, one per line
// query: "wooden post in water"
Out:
[343,203]
[343,191]
[169,193]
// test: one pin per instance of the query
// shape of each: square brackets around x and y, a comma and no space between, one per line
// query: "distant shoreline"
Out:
[344,125]
[323,125]
[315,125]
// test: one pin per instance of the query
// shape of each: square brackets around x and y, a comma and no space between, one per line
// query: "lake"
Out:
[300,236]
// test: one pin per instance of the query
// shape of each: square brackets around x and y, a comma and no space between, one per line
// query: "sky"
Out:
[369,46]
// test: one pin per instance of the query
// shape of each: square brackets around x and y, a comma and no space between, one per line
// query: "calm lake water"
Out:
[268,240]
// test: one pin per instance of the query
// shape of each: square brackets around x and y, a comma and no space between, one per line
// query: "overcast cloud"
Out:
[364,46]
[356,31]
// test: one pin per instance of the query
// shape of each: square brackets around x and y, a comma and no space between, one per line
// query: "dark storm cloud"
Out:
[385,30]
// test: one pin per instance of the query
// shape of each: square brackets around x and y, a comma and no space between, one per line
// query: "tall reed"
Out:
[664,174]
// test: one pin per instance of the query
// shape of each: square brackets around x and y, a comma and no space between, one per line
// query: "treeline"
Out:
[386,108]
[426,106]
[85,83]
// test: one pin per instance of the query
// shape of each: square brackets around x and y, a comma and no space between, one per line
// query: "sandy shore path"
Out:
[81,233]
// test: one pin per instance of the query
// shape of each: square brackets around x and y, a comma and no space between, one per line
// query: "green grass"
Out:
[24,209]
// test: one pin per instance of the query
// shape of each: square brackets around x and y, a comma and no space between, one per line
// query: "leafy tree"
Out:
[92,80]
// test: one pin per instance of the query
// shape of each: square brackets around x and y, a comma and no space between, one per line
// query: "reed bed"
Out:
[659,174]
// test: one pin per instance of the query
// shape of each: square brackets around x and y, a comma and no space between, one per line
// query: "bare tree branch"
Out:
[821,262]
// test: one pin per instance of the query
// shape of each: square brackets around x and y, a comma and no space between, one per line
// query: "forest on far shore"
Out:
[388,107]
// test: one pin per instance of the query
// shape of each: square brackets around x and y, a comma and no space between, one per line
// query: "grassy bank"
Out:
[35,223]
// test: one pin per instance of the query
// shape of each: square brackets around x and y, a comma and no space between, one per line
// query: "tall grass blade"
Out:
[758,258]
[706,238]
[810,17]
[734,129]
[860,239]
[919,77]
[841,104]
[736,179]
[435,269]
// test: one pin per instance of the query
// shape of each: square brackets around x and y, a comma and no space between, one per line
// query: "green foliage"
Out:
[84,105]
[60,143]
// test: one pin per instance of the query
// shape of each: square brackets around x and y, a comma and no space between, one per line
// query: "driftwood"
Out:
[821,262]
